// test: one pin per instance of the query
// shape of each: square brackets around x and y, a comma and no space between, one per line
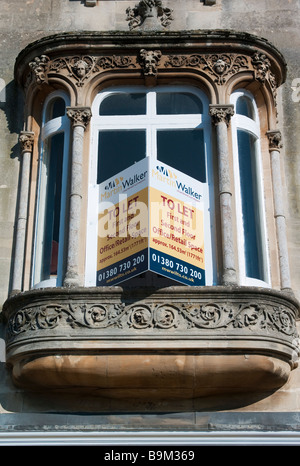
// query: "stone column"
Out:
[274,148]
[221,115]
[26,140]
[80,117]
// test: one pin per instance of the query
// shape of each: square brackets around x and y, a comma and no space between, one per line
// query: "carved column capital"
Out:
[79,116]
[274,139]
[26,140]
[221,113]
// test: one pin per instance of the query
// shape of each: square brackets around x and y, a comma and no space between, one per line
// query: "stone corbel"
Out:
[90,2]
[149,61]
[39,68]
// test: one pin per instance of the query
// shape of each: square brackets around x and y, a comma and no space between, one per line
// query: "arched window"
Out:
[51,195]
[167,124]
[251,222]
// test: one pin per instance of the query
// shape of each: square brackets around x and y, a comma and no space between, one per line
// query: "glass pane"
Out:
[124,104]
[55,148]
[178,102]
[250,206]
[56,108]
[119,149]
[183,150]
[244,107]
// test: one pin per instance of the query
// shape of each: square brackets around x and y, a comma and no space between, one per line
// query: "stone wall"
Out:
[24,22]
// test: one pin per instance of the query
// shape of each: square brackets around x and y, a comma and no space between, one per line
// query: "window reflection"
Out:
[183,150]
[174,103]
[124,104]
[250,205]
[244,107]
[53,162]
[119,149]
[56,108]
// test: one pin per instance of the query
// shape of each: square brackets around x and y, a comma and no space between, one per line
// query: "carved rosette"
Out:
[26,140]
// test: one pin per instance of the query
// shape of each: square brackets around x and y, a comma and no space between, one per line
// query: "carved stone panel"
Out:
[108,334]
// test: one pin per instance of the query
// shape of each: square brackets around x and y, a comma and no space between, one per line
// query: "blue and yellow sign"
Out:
[151,219]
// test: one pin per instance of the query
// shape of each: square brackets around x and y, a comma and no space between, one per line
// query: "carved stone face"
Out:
[81,69]
[220,66]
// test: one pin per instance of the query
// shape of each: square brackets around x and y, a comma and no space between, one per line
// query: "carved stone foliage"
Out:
[219,66]
[77,68]
[262,71]
[221,113]
[39,68]
[251,318]
[151,11]
[274,139]
[79,116]
[26,140]
[149,61]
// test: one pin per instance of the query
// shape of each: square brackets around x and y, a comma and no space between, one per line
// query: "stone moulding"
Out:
[81,59]
[82,328]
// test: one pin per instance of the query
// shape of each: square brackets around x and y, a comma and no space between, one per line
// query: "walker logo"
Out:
[188,190]
[114,183]
[133,180]
[166,171]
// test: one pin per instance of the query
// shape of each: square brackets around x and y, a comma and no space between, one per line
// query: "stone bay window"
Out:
[97,105]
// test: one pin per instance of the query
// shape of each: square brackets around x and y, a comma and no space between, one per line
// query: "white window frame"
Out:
[251,126]
[50,128]
[151,122]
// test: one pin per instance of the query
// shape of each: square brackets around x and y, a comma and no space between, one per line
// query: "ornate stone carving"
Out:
[261,65]
[79,116]
[26,140]
[274,139]
[221,113]
[262,72]
[79,68]
[114,61]
[150,60]
[220,66]
[250,317]
[39,68]
[149,13]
